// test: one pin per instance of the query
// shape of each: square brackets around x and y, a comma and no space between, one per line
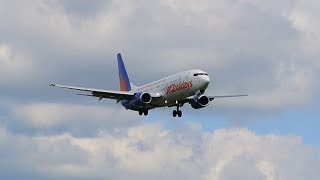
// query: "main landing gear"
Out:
[145,112]
[177,112]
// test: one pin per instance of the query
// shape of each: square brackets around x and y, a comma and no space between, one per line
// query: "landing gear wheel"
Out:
[140,113]
[146,113]
[174,114]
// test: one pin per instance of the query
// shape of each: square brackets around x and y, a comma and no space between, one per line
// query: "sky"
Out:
[268,49]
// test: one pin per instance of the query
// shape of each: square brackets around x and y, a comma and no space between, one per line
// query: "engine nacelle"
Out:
[199,102]
[141,99]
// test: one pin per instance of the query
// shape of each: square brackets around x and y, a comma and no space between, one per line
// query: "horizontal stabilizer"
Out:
[133,87]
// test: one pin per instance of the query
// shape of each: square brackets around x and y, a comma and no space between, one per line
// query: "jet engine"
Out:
[141,99]
[199,102]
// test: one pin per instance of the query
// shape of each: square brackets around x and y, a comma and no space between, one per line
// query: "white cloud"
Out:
[14,66]
[52,115]
[305,18]
[150,151]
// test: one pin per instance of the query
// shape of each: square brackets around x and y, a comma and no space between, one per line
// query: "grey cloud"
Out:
[22,152]
[84,8]
[250,47]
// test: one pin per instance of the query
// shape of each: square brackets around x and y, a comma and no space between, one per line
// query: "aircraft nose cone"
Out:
[206,81]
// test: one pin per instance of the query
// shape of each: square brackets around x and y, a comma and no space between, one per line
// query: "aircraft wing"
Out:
[100,93]
[211,98]
[227,96]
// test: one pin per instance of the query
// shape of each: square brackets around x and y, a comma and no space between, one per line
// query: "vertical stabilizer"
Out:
[123,76]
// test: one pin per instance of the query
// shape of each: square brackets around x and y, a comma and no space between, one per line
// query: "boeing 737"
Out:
[172,91]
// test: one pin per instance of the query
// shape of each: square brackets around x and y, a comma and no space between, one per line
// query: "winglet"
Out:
[123,76]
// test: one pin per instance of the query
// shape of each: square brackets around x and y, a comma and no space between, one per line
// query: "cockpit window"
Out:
[200,74]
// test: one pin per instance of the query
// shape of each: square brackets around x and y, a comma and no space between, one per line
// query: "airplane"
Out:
[172,91]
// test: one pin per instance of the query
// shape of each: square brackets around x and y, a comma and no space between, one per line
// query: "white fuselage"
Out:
[177,87]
